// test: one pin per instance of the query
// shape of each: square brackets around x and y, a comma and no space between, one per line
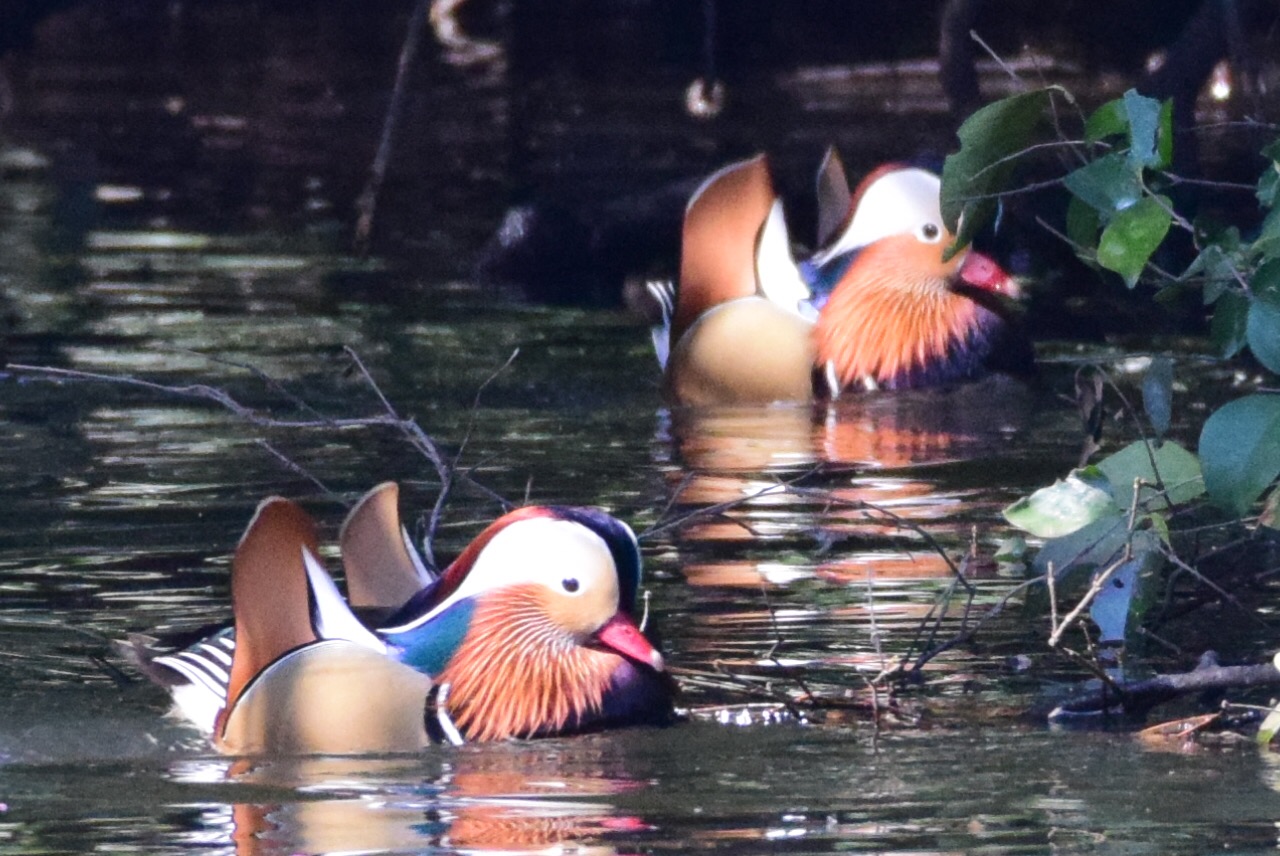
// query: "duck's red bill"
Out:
[623,636]
[982,272]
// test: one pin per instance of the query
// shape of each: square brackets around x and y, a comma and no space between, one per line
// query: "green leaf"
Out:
[1227,330]
[1157,394]
[1132,236]
[1121,602]
[1082,225]
[1175,468]
[1143,114]
[1266,281]
[1108,120]
[1262,331]
[1216,264]
[1164,142]
[1107,184]
[981,168]
[1062,508]
[1160,526]
[1011,549]
[1269,182]
[1267,730]
[1240,451]
[1270,228]
[1089,547]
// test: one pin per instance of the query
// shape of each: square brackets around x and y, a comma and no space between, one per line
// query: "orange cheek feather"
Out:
[892,312]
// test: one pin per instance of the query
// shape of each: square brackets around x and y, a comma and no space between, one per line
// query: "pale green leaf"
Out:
[1060,509]
[1132,236]
[1109,120]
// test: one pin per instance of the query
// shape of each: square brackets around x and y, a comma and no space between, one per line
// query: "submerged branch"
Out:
[1136,698]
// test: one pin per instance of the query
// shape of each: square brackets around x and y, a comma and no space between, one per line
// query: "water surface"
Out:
[190,228]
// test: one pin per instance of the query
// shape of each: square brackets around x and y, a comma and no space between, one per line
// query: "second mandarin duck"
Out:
[876,308]
[529,632]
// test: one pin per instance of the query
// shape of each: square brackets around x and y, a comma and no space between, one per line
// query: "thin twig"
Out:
[294,466]
[368,200]
[1099,582]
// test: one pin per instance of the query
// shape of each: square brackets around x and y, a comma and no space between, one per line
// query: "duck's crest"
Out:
[382,567]
[269,592]
[718,243]
[835,202]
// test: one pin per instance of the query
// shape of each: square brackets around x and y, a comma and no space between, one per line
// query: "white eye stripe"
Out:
[897,203]
[542,550]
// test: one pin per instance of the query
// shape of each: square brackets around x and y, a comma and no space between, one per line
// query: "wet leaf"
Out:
[1132,236]
[1062,508]
[1127,593]
[1011,549]
[1143,116]
[1267,730]
[1240,451]
[1176,468]
[1107,184]
[981,168]
[1176,733]
[1157,394]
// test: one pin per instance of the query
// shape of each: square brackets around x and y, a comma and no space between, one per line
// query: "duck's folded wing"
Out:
[331,697]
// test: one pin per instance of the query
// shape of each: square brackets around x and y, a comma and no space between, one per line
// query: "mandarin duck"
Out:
[529,632]
[876,307]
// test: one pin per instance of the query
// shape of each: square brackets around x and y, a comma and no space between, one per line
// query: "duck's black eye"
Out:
[930,231]
[570,585]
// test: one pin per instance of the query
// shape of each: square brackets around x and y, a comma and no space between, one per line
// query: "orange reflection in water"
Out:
[871,452]
[487,801]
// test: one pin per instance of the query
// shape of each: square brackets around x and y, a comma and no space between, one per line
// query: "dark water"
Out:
[189,221]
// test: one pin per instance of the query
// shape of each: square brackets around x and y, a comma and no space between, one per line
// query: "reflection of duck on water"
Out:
[877,307]
[527,805]
[872,450]
[528,633]
[909,428]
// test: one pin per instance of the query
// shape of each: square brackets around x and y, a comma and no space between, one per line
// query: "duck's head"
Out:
[893,311]
[531,628]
